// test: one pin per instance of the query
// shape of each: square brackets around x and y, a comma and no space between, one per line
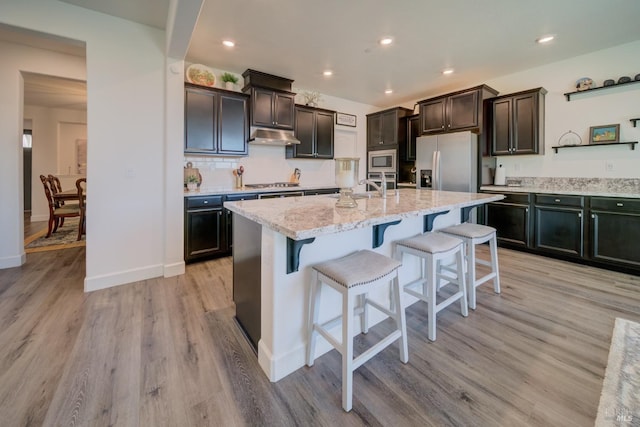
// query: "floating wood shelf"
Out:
[634,121]
[630,143]
[568,95]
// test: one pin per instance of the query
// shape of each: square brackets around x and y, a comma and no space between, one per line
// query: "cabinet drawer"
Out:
[236,197]
[614,204]
[203,202]
[514,198]
[556,199]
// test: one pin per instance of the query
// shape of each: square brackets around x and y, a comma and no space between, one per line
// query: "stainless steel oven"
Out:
[382,161]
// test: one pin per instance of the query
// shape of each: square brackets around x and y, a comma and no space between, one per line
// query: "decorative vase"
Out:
[346,179]
[238,181]
[192,186]
[229,85]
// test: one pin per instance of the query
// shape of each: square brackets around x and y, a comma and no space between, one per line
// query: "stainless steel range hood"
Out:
[261,136]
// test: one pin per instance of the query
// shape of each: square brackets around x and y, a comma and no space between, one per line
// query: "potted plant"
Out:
[229,80]
[192,183]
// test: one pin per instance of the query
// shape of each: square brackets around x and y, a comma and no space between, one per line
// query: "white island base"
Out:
[262,233]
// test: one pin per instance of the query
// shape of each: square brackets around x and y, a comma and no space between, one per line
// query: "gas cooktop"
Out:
[273,184]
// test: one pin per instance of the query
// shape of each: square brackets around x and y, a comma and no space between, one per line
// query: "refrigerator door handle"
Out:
[436,170]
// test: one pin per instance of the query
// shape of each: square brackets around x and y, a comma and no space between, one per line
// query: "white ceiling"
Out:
[481,40]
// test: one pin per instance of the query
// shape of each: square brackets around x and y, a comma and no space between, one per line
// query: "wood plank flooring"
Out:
[166,352]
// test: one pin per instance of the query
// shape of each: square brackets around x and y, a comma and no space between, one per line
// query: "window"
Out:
[26,138]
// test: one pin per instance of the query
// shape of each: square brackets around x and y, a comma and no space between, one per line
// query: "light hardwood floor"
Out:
[166,352]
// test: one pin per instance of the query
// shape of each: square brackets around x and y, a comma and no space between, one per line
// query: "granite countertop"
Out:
[561,190]
[304,217]
[208,191]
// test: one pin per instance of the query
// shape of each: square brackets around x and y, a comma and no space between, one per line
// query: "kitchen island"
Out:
[276,241]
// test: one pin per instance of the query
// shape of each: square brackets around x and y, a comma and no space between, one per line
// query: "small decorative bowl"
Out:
[608,82]
[584,83]
[624,79]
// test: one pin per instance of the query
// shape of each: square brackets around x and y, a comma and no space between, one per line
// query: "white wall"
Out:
[126,84]
[598,108]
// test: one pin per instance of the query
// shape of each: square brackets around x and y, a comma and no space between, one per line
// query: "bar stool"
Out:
[433,248]
[354,276]
[472,235]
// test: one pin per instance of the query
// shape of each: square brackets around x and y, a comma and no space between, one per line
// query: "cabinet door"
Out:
[615,237]
[304,130]
[200,122]
[559,230]
[203,233]
[511,222]
[262,107]
[324,134]
[374,131]
[525,131]
[462,111]
[413,131]
[233,127]
[284,105]
[389,128]
[432,114]
[501,128]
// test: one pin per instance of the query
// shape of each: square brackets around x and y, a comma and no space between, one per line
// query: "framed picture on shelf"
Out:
[604,134]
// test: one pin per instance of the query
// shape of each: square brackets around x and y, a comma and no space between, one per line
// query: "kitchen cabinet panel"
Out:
[614,231]
[517,124]
[272,109]
[387,129]
[454,112]
[314,127]
[559,229]
[216,121]
[203,227]
[408,150]
[511,221]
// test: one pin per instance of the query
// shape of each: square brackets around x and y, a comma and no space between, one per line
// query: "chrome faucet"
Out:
[381,189]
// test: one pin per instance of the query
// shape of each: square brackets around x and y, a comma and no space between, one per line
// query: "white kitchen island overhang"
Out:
[276,241]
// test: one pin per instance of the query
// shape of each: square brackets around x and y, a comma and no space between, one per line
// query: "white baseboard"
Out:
[175,269]
[121,278]
[13,261]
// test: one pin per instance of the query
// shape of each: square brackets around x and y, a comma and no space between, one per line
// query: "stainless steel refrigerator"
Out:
[447,162]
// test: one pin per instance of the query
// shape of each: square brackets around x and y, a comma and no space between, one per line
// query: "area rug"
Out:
[64,238]
[620,396]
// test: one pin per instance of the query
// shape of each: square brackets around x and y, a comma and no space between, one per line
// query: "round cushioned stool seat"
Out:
[358,268]
[433,243]
[472,231]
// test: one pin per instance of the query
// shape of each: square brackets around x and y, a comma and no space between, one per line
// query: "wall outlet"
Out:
[608,165]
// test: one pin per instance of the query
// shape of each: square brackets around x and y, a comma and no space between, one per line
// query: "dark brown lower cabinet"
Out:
[203,233]
[600,231]
[510,217]
[615,231]
[559,224]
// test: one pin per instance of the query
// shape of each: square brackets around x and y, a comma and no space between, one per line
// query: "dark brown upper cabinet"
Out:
[314,128]
[386,129]
[272,109]
[216,121]
[455,111]
[517,123]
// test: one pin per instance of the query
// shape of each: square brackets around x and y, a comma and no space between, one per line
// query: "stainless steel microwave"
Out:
[382,161]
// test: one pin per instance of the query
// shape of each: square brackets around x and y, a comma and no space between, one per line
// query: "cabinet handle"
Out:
[593,216]
[557,200]
[442,126]
[620,204]
[206,202]
[579,215]
[526,210]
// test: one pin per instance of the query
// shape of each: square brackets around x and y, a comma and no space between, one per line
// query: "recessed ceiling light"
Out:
[228,43]
[388,91]
[327,73]
[447,71]
[386,41]
[545,39]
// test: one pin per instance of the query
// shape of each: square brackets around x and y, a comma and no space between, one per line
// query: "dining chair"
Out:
[56,214]
[81,185]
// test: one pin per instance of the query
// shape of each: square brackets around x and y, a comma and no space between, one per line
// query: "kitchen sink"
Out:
[364,195]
